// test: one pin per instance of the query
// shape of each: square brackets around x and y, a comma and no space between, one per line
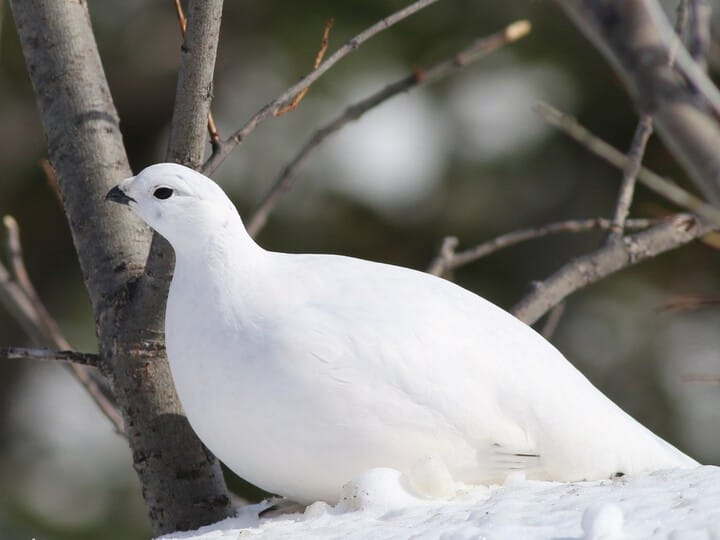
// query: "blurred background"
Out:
[465,156]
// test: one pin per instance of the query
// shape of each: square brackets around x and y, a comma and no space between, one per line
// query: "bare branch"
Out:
[637,39]
[228,145]
[553,320]
[690,69]
[698,42]
[21,353]
[702,378]
[681,17]
[440,266]
[194,87]
[477,50]
[18,305]
[643,131]
[688,302]
[22,301]
[670,234]
[630,173]
[182,20]
[662,186]
[449,260]
[20,298]
[48,325]
[212,128]
[324,42]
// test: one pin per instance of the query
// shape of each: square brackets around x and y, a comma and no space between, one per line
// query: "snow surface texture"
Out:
[671,504]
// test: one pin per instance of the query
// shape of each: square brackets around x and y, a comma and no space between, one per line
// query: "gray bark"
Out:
[194,87]
[78,358]
[635,40]
[226,147]
[671,234]
[181,481]
[698,41]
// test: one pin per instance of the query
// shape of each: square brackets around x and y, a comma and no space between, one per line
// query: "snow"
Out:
[381,504]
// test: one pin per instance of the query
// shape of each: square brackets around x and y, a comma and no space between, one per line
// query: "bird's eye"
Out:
[163,193]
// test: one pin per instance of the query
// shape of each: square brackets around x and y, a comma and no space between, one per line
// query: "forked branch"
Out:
[419,77]
[667,235]
[642,134]
[448,260]
[637,39]
[324,42]
[662,186]
[630,173]
[225,148]
[20,299]
[38,312]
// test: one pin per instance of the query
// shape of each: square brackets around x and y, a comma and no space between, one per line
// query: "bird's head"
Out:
[181,204]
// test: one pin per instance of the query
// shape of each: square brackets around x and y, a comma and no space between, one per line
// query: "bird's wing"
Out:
[413,351]
[438,355]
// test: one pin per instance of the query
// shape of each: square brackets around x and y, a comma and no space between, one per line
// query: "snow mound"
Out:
[380,504]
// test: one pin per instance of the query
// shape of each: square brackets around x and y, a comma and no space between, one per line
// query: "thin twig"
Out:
[182,20]
[440,266]
[667,235]
[637,39]
[643,131]
[681,16]
[553,320]
[225,147]
[687,303]
[693,71]
[477,50]
[447,261]
[14,254]
[74,357]
[19,307]
[324,42]
[630,172]
[21,277]
[708,379]
[698,43]
[215,138]
[662,186]
[318,59]
[19,296]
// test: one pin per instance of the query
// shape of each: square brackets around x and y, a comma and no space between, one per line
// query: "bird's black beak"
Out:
[117,195]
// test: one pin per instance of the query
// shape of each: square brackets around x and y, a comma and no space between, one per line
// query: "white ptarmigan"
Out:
[302,371]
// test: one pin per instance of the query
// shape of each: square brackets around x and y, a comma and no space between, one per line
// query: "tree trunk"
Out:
[181,481]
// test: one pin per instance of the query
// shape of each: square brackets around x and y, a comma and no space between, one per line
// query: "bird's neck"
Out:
[225,253]
[215,285]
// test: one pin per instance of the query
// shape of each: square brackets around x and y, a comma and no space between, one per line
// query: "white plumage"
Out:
[302,371]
